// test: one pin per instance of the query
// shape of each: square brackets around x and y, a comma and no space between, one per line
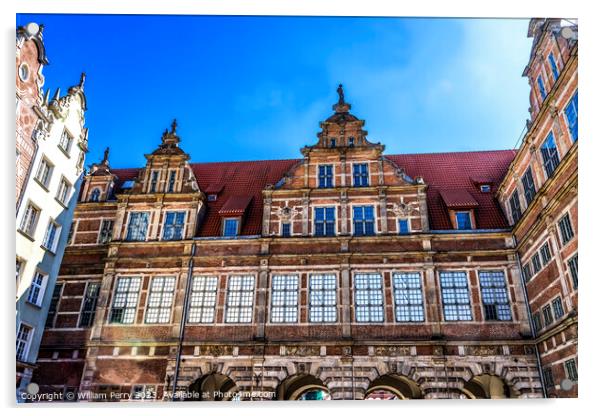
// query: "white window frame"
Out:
[26,343]
[26,219]
[47,172]
[69,144]
[369,290]
[409,305]
[289,304]
[38,300]
[237,219]
[203,298]
[163,295]
[57,236]
[494,288]
[317,297]
[148,225]
[455,297]
[236,296]
[126,300]
[63,184]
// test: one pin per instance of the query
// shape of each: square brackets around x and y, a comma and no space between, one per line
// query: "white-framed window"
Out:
[24,336]
[285,298]
[566,229]
[571,114]
[52,236]
[88,311]
[456,296]
[30,219]
[37,289]
[239,299]
[173,227]
[361,175]
[154,181]
[322,298]
[495,296]
[137,226]
[325,176]
[558,309]
[546,254]
[66,141]
[105,234]
[407,292]
[547,315]
[286,229]
[570,367]
[203,298]
[363,220]
[324,221]
[54,303]
[95,195]
[125,300]
[231,227]
[44,172]
[64,191]
[368,290]
[403,226]
[160,299]
[171,183]
[463,220]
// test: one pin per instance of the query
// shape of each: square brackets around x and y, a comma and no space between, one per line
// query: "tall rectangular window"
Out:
[285,296]
[239,300]
[360,174]
[537,321]
[456,296]
[573,269]
[527,272]
[88,314]
[154,181]
[171,184]
[549,153]
[106,232]
[173,228]
[536,262]
[515,207]
[403,225]
[23,341]
[407,291]
[125,300]
[369,298]
[571,116]
[44,172]
[570,367]
[553,66]
[37,289]
[51,238]
[54,303]
[30,220]
[286,229]
[495,296]
[231,227]
[547,315]
[137,226]
[528,185]
[325,176]
[63,192]
[548,377]
[463,221]
[203,298]
[363,220]
[158,309]
[546,255]
[65,141]
[558,309]
[324,221]
[542,88]
[322,298]
[70,233]
[566,229]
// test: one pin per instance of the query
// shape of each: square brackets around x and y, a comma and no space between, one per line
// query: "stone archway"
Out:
[393,387]
[486,386]
[214,387]
[302,387]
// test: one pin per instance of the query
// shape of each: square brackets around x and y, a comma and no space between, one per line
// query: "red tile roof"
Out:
[458,198]
[235,205]
[441,171]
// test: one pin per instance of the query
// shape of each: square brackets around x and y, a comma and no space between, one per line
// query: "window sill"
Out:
[61,203]
[48,250]
[24,234]
[64,151]
[44,187]
[35,305]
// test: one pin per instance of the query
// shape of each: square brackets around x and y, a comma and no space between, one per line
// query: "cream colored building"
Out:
[44,216]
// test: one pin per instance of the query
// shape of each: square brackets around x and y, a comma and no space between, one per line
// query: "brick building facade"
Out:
[346,274]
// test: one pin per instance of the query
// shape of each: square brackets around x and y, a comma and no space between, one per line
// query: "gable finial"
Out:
[174,126]
[105,159]
[82,79]
[341,94]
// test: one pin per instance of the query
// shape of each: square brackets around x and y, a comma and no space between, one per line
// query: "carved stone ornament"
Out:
[483,350]
[301,350]
[215,350]
[287,213]
[403,210]
[392,350]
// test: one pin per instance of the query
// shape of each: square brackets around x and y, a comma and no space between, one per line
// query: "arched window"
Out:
[95,195]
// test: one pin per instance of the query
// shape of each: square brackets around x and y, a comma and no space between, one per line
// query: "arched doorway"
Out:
[214,387]
[393,387]
[487,386]
[302,387]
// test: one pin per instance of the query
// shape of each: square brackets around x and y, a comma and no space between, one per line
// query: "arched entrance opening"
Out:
[393,387]
[487,386]
[302,387]
[214,387]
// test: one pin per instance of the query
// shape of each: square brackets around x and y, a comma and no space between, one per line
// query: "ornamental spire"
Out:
[341,106]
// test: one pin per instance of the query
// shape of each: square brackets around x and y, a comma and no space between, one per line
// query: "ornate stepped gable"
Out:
[342,138]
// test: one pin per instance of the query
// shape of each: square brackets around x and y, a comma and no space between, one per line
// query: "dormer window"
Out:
[463,220]
[173,229]
[325,176]
[360,174]
[351,141]
[212,198]
[172,181]
[127,185]
[154,180]
[231,227]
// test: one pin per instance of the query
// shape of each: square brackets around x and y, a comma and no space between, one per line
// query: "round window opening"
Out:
[315,394]
[24,72]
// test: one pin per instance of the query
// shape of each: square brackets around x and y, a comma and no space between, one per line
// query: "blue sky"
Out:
[245,88]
